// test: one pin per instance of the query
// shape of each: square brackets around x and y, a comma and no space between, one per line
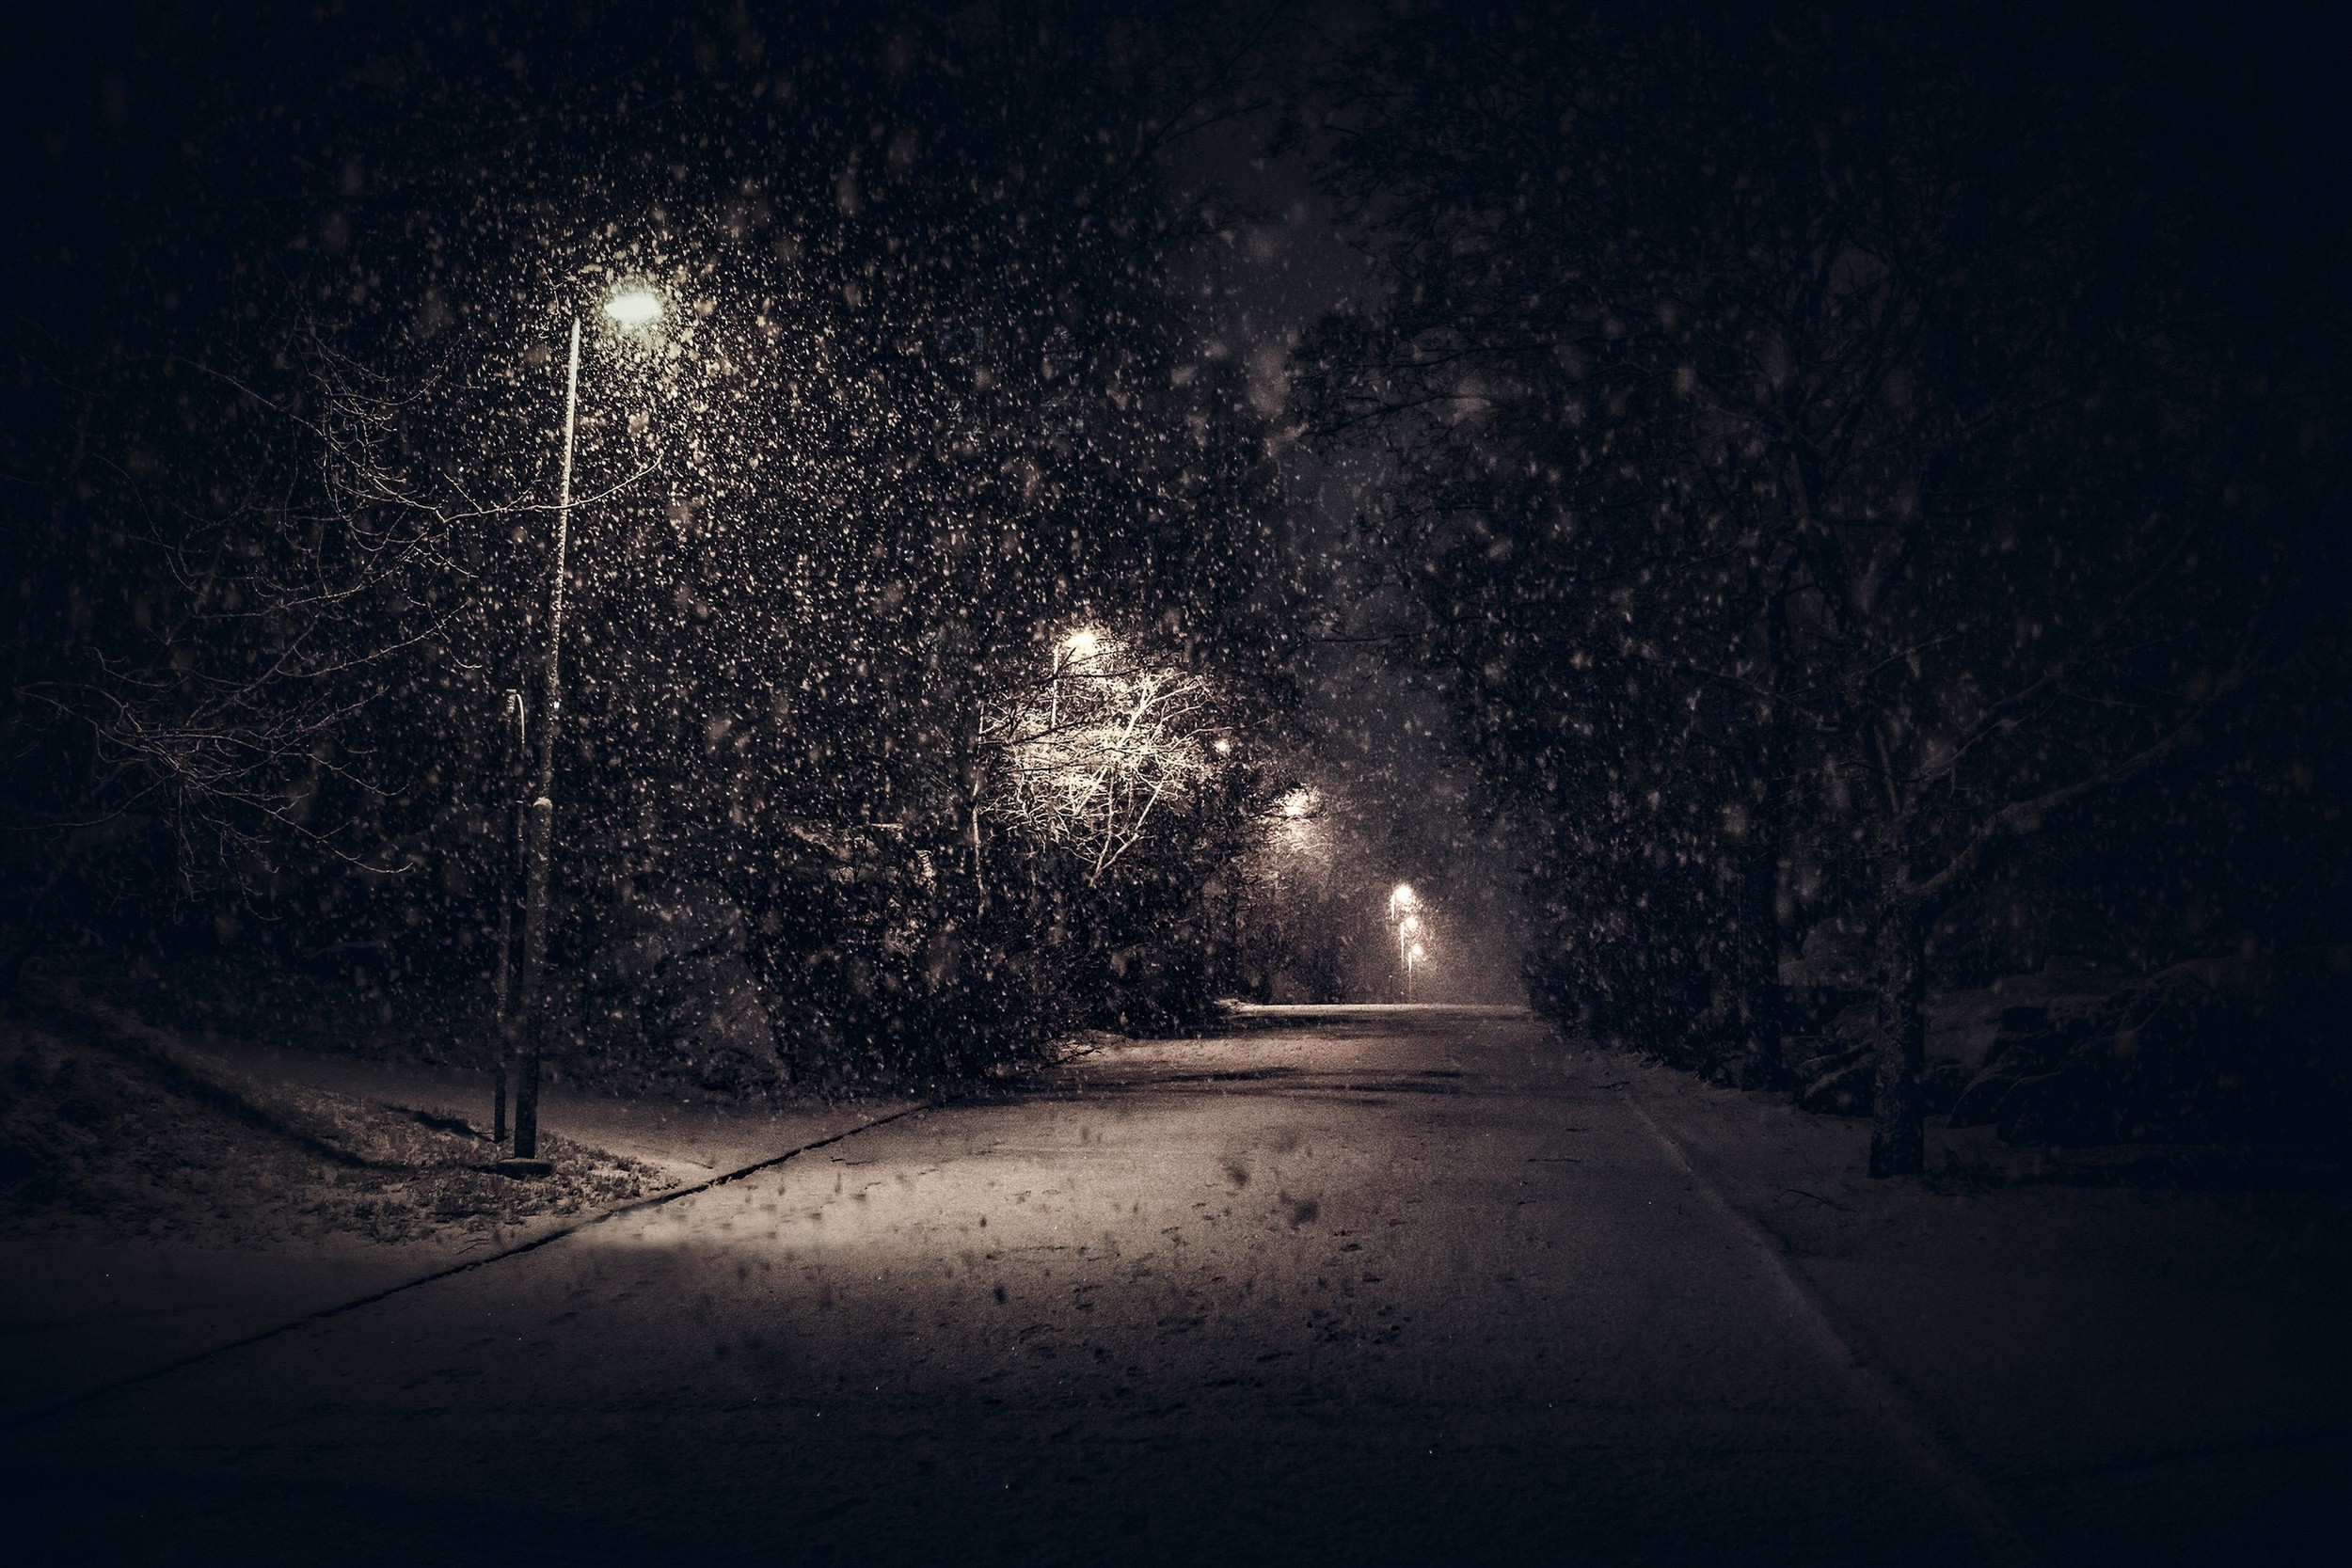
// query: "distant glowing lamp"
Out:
[633,305]
[1224,746]
[1411,927]
[1082,643]
[1400,900]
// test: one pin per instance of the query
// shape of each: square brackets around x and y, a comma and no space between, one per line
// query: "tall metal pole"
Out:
[531,1003]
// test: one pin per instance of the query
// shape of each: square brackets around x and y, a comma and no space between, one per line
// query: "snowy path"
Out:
[1401,1286]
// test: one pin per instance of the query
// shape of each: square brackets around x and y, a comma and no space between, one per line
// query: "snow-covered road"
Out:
[1365,1285]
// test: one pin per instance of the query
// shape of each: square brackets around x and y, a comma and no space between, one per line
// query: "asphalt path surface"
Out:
[1371,1286]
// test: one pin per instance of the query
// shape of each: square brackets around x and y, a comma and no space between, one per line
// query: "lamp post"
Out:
[1077,645]
[632,307]
[1409,948]
[1403,903]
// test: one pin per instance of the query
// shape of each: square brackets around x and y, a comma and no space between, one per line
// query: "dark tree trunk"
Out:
[1897,1135]
[33,927]
[1758,957]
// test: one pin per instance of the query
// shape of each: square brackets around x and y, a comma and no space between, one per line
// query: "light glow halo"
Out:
[633,305]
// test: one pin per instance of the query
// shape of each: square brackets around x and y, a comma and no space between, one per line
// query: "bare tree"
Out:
[272,603]
[1086,754]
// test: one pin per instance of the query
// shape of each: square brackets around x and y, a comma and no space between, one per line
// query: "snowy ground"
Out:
[1346,1286]
[163,1199]
[116,1132]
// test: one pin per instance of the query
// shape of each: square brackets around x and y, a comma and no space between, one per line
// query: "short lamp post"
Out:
[1409,948]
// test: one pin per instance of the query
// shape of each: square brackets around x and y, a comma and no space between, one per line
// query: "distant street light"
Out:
[1404,905]
[1082,643]
[631,306]
[1407,932]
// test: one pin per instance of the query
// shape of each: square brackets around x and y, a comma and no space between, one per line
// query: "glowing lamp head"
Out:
[1224,746]
[1402,898]
[1411,927]
[1082,645]
[633,305]
[1417,953]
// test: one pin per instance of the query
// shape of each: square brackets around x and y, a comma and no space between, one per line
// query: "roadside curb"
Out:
[1897,1409]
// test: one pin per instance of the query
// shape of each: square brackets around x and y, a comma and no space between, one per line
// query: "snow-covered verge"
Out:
[2140,1370]
[2238,1050]
[672,1007]
[663,1040]
[113,1130]
[251,997]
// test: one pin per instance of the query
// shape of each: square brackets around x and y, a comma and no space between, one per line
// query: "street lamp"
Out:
[1082,643]
[631,306]
[1407,933]
[634,304]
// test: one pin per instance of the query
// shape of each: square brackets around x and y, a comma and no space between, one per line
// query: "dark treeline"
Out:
[1869,482]
[285,421]
[1875,478]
